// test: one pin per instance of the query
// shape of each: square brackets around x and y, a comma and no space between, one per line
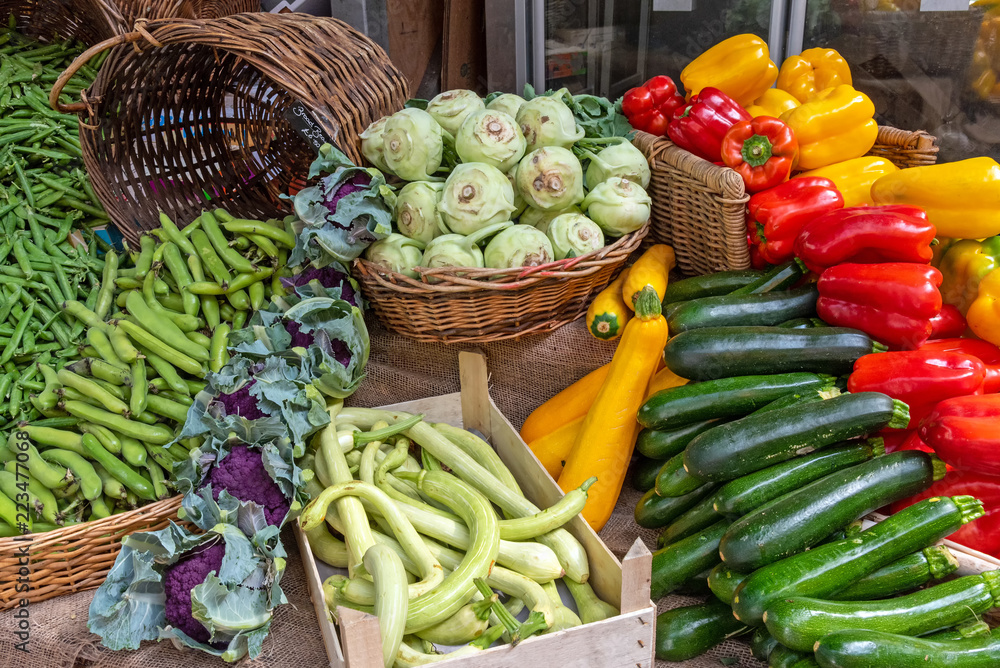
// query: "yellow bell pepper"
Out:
[984,314]
[774,102]
[834,126]
[963,267]
[854,178]
[813,71]
[740,67]
[962,199]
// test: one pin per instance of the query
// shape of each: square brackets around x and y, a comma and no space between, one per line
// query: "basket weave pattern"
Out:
[483,305]
[74,558]
[134,10]
[187,110]
[90,21]
[700,208]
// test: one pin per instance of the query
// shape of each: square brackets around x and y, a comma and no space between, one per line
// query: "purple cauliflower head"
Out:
[334,347]
[180,578]
[242,403]
[242,474]
[358,182]
[329,277]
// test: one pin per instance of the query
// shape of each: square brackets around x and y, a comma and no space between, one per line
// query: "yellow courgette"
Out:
[652,268]
[607,314]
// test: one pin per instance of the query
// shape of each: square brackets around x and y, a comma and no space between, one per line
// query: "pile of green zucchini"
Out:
[758,472]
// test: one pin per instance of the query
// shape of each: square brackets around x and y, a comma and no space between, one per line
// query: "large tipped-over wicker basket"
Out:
[74,558]
[134,10]
[190,111]
[89,21]
[700,208]
[453,305]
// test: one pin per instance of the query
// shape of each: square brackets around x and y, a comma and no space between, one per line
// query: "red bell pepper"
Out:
[965,432]
[762,150]
[918,378]
[949,323]
[892,302]
[700,126]
[984,533]
[987,353]
[650,106]
[776,216]
[866,235]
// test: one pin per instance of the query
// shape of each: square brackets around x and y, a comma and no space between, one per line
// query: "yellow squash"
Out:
[652,268]
[568,405]
[664,379]
[607,313]
[553,448]
[604,446]
[854,178]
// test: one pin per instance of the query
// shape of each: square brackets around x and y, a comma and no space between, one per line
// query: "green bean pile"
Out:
[102,386]
[402,516]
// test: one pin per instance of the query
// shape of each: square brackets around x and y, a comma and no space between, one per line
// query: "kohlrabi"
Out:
[475,196]
[572,235]
[518,246]
[550,178]
[412,145]
[371,143]
[490,137]
[396,253]
[541,218]
[621,159]
[416,210]
[452,107]
[455,250]
[618,206]
[508,103]
[547,121]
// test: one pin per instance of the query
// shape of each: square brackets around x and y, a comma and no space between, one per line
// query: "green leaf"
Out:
[415,103]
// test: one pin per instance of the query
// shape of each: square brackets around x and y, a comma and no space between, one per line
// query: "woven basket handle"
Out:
[80,61]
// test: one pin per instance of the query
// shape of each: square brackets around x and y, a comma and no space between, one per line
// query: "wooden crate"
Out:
[625,641]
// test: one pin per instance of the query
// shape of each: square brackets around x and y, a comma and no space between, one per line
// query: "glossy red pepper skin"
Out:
[918,378]
[866,235]
[700,126]
[650,107]
[985,351]
[775,217]
[762,150]
[965,432]
[982,534]
[948,323]
[892,302]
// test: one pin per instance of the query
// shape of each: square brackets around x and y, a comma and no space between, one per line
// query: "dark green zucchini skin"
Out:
[699,517]
[769,309]
[720,352]
[723,398]
[723,582]
[655,512]
[784,657]
[802,323]
[709,285]
[780,277]
[746,494]
[684,633]
[799,622]
[910,572]
[663,444]
[676,564]
[830,568]
[696,586]
[862,649]
[802,518]
[762,644]
[673,480]
[755,442]
[643,475]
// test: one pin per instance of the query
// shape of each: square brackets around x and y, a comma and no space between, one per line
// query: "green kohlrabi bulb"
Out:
[490,137]
[475,195]
[550,178]
[518,246]
[452,107]
[416,210]
[618,206]
[573,234]
[396,253]
[412,145]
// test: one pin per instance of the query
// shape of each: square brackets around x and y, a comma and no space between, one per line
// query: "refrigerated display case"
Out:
[929,65]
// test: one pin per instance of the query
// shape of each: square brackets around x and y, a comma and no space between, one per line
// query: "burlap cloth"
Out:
[523,374]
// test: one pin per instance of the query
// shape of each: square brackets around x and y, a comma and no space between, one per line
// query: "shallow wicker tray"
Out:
[700,208]
[74,558]
[483,305]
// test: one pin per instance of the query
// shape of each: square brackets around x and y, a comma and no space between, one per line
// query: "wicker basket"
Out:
[74,558]
[90,21]
[198,110]
[134,10]
[483,305]
[700,208]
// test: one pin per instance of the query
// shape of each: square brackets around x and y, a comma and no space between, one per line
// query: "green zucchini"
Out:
[976,629]
[901,576]
[799,622]
[862,649]
[746,494]
[684,633]
[825,570]
[802,323]
[676,564]
[761,644]
[700,517]
[720,352]
[779,277]
[696,586]
[663,444]
[644,470]
[785,657]
[673,480]
[654,512]
[723,582]
[801,519]
[709,285]
[755,442]
[756,310]
[723,398]
[796,399]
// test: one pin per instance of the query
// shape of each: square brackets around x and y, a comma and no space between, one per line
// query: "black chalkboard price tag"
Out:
[305,124]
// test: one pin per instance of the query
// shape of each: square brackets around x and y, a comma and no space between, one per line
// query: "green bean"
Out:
[162,349]
[123,348]
[173,301]
[144,261]
[99,509]
[127,283]
[5,384]
[157,478]
[246,280]
[111,442]
[119,469]
[102,370]
[202,340]
[15,339]
[168,374]
[55,438]
[112,487]
[119,391]
[208,257]
[94,391]
[206,288]
[163,328]
[161,456]
[50,476]
[64,286]
[240,243]
[179,270]
[155,434]
[90,483]
[107,285]
[133,451]
[98,339]
[227,312]
[173,234]
[81,312]
[162,406]
[218,240]
[264,244]
[137,402]
[239,226]
[57,422]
